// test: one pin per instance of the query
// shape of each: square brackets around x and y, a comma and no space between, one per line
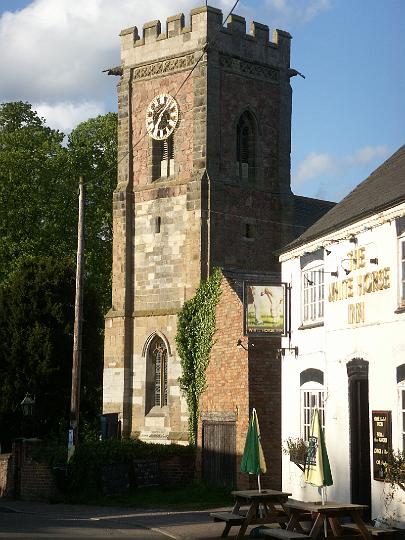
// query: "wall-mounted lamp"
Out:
[334,274]
[308,280]
[27,405]
[240,344]
[346,270]
[353,239]
[328,251]
[374,260]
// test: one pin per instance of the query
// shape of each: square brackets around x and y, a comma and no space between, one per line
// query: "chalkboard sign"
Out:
[115,478]
[382,435]
[146,472]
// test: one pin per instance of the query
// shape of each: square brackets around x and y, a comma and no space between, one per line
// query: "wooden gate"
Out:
[219,453]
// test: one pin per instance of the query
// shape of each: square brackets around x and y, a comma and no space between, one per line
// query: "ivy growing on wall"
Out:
[194,339]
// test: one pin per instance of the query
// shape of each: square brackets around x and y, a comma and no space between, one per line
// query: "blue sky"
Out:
[348,113]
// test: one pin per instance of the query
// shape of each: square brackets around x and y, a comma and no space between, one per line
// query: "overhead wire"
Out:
[205,48]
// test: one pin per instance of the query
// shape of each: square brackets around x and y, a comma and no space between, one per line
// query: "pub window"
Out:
[401,388]
[312,293]
[312,397]
[162,158]
[401,271]
[158,222]
[156,375]
[246,141]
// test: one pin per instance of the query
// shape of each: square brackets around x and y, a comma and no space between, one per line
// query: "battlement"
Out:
[206,27]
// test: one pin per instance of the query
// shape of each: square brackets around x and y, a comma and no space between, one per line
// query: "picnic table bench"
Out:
[374,531]
[265,506]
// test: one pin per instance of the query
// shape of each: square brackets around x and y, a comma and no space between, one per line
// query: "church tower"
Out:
[203,181]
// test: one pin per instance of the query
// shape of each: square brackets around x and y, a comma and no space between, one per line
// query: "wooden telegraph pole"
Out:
[77,330]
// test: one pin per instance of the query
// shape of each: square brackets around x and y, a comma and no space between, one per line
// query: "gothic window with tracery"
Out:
[246,147]
[156,375]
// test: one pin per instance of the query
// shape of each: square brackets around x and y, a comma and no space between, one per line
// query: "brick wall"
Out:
[37,482]
[6,475]
[176,470]
[239,379]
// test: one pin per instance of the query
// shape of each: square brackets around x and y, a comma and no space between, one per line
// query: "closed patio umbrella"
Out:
[253,461]
[317,467]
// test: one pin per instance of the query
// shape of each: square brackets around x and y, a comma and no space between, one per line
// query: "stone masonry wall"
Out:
[203,208]
[170,423]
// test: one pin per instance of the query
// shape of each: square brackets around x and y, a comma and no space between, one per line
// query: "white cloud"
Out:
[53,52]
[367,154]
[64,116]
[317,165]
[296,11]
[313,166]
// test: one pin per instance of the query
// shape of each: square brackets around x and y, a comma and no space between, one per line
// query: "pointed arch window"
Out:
[156,375]
[246,142]
[162,158]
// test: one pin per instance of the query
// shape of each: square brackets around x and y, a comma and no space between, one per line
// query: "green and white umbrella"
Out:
[253,461]
[317,467]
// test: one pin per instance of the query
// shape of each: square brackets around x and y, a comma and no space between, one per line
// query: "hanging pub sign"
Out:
[265,309]
[382,435]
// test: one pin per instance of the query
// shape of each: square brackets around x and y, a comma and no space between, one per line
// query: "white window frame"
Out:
[313,293]
[401,414]
[401,270]
[312,396]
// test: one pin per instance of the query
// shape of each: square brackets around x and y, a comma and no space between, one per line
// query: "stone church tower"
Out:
[203,181]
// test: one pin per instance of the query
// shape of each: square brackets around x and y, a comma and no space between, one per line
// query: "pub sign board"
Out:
[382,440]
[265,309]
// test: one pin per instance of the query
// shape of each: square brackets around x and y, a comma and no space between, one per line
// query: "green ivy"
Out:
[194,339]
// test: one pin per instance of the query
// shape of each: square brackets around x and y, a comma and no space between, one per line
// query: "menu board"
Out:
[382,436]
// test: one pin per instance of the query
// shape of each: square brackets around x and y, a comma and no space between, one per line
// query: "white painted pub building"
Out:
[347,279]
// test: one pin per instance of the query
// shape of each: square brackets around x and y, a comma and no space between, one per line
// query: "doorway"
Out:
[218,452]
[359,419]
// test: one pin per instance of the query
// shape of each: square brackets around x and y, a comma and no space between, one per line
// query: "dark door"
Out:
[359,432]
[218,453]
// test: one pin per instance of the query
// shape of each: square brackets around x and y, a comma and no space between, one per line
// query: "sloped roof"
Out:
[384,188]
[307,211]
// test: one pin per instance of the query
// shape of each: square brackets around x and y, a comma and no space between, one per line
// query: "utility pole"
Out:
[77,330]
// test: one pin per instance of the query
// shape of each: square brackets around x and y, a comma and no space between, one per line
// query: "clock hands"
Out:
[162,116]
[161,112]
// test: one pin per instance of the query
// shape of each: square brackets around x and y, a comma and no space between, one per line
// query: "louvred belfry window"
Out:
[162,158]
[246,140]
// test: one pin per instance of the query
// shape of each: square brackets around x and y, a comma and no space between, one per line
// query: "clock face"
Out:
[162,117]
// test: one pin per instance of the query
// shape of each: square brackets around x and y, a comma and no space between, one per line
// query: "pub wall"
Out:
[378,340]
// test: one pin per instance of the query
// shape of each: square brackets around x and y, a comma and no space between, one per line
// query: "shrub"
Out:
[85,467]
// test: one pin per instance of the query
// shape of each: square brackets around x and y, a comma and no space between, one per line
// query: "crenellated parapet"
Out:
[175,38]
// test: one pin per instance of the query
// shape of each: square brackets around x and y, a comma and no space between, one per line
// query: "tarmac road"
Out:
[25,520]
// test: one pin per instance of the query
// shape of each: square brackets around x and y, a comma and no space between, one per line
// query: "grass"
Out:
[195,496]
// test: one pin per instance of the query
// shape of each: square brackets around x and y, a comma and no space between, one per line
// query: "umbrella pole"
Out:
[259,484]
[325,523]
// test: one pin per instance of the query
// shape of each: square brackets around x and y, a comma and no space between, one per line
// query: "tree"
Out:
[92,146]
[39,187]
[38,225]
[37,198]
[36,327]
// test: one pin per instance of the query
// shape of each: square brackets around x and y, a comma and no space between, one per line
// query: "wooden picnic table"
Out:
[265,506]
[324,515]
